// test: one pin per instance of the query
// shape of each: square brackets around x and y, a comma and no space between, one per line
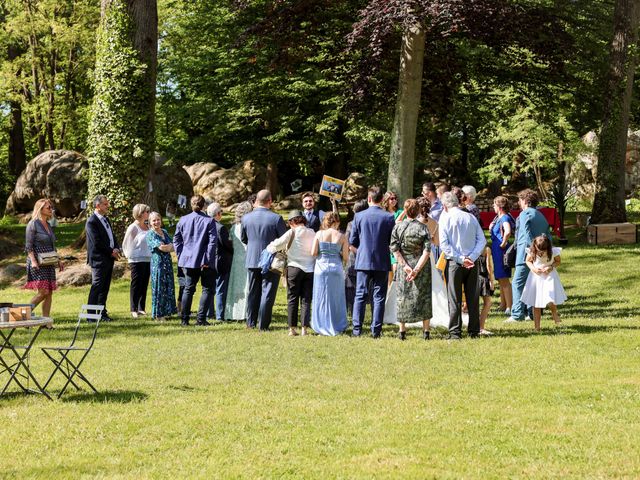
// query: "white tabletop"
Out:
[33,322]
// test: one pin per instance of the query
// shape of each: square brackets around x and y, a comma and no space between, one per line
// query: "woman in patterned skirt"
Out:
[410,243]
[163,296]
[40,238]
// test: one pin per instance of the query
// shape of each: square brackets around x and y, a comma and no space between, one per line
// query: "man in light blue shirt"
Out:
[462,241]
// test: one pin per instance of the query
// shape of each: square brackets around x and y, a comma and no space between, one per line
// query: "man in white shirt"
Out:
[462,241]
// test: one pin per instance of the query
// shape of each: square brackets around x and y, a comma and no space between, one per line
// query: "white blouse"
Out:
[299,254]
[134,245]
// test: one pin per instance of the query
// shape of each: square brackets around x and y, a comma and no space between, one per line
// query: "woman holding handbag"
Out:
[501,229]
[296,243]
[42,257]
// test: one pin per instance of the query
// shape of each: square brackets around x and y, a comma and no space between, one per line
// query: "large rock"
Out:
[355,188]
[79,274]
[55,174]
[169,182]
[11,273]
[227,185]
[199,170]
[583,171]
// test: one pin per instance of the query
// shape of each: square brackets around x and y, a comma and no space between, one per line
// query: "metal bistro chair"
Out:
[64,364]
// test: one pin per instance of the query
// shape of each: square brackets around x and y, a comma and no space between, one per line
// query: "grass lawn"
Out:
[223,402]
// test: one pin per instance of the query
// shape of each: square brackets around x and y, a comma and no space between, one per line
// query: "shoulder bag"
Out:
[48,259]
[279,262]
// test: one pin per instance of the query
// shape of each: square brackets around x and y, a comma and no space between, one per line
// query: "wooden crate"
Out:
[612,233]
[20,312]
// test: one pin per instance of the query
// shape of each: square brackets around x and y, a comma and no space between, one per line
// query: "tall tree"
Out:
[405,123]
[122,131]
[608,204]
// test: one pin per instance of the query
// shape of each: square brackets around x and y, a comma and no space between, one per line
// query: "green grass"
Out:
[226,402]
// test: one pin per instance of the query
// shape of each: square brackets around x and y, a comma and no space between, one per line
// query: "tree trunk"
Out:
[405,123]
[122,129]
[17,153]
[272,178]
[608,205]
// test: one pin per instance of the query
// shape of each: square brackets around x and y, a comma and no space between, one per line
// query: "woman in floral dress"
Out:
[410,243]
[163,297]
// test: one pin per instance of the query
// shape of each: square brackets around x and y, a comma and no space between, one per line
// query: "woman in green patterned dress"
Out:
[410,244]
[163,296]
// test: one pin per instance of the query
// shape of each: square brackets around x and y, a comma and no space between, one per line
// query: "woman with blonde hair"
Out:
[138,255]
[40,239]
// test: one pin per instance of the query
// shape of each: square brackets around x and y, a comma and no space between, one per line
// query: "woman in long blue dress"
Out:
[163,296]
[329,306]
[501,229]
[236,306]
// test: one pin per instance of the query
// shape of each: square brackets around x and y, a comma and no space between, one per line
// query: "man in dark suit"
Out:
[314,216]
[102,250]
[195,242]
[371,234]
[259,228]
[224,257]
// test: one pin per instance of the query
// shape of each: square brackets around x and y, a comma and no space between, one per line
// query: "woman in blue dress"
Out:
[501,229]
[163,297]
[236,306]
[329,306]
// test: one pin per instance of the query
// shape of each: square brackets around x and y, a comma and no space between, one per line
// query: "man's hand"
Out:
[468,263]
[116,254]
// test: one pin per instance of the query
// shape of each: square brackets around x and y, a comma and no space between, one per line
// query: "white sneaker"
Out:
[528,318]
[507,312]
[134,314]
[510,320]
[485,333]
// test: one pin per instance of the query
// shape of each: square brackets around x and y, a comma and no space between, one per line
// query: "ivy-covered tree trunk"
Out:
[405,123]
[608,205]
[122,128]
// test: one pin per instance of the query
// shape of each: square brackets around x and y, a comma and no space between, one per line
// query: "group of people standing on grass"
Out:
[426,262]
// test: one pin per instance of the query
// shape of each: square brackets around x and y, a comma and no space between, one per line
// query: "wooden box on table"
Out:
[612,233]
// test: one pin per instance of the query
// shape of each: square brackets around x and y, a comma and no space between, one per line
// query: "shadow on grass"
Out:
[562,330]
[110,396]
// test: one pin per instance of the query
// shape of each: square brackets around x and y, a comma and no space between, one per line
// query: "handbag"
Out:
[509,256]
[279,262]
[48,259]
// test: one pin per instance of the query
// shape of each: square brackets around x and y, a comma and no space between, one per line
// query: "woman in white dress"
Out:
[236,306]
[439,299]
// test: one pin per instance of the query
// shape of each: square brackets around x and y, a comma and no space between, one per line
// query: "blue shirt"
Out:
[436,210]
[460,235]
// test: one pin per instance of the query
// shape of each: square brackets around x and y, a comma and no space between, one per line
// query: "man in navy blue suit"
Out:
[103,250]
[195,242]
[371,234]
[259,228]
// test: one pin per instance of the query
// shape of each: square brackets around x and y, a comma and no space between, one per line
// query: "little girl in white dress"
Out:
[543,285]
